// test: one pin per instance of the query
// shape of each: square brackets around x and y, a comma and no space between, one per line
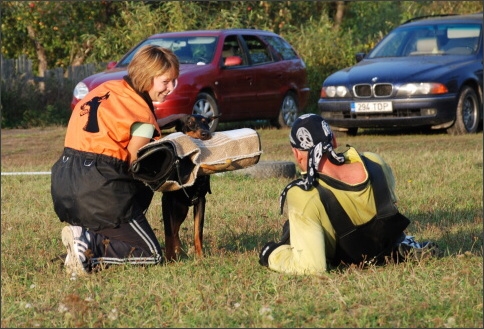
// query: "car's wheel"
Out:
[289,111]
[207,106]
[467,114]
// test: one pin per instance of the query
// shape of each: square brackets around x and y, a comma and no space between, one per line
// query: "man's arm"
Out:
[307,253]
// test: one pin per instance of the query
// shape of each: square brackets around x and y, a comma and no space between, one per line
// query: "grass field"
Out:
[439,184]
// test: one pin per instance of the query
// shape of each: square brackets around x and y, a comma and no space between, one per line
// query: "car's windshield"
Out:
[436,39]
[189,50]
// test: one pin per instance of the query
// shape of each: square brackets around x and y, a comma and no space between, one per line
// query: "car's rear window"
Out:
[436,39]
[257,50]
[282,47]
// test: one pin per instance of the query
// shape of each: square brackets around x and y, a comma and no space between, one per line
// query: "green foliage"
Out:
[57,27]
[369,21]
[126,30]
[237,14]
[324,51]
[25,104]
[16,100]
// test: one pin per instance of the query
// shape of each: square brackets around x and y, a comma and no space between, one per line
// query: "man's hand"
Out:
[266,251]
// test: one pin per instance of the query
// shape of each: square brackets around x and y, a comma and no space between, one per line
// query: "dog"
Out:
[175,204]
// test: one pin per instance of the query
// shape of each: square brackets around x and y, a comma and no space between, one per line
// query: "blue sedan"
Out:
[425,73]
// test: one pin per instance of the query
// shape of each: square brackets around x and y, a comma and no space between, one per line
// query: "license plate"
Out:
[369,107]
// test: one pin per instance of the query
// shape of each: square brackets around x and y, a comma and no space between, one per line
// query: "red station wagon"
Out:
[240,74]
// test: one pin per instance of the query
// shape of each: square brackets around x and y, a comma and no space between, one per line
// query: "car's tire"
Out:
[288,112]
[269,169]
[467,113]
[207,106]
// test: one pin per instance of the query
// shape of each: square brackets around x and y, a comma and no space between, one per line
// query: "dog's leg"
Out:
[174,214]
[203,183]
[199,218]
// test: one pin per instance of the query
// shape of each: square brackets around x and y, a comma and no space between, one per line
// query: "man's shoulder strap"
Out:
[384,205]
[338,217]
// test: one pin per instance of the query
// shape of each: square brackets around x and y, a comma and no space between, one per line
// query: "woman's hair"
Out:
[150,62]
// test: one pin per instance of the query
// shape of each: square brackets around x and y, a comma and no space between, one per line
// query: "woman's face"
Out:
[162,86]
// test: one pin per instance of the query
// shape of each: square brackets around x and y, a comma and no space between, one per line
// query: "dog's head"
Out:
[193,125]
[196,126]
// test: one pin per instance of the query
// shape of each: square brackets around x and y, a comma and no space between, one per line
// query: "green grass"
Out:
[439,183]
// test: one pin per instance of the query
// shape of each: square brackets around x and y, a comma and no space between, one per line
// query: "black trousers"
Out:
[133,243]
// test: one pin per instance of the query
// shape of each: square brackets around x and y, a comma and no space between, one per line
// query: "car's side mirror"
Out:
[111,65]
[233,61]
[359,56]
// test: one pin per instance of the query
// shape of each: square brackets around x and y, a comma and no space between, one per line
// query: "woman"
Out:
[92,188]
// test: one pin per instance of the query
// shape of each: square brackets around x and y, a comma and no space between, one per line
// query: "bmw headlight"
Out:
[421,88]
[81,90]
[334,91]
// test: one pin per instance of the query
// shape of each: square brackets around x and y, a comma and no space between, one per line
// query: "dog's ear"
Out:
[214,117]
[174,120]
[191,123]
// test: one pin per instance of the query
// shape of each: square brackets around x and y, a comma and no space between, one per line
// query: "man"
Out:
[341,212]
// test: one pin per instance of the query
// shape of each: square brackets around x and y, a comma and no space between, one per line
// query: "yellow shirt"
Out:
[311,233]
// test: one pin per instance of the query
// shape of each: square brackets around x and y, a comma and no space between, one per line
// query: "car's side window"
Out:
[258,51]
[462,46]
[282,47]
[231,47]
[462,40]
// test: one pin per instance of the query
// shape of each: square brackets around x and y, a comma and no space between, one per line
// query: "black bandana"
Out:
[311,133]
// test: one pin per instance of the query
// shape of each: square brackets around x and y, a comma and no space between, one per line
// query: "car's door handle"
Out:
[250,79]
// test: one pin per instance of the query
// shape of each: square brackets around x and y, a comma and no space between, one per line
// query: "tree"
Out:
[338,17]
[49,32]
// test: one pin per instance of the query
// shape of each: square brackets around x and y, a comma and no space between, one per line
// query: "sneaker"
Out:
[410,249]
[76,240]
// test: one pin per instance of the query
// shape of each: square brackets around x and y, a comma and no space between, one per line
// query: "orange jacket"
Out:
[101,122]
